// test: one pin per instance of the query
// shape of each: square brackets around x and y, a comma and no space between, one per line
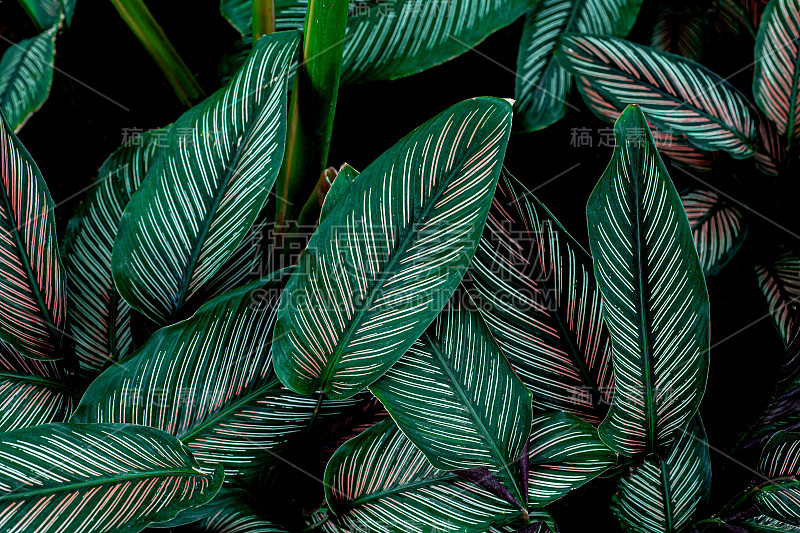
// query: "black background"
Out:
[77,128]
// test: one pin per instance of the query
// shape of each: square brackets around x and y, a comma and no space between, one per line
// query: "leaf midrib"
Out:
[669,527]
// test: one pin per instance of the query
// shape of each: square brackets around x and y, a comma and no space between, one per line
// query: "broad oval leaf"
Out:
[776,79]
[665,494]
[384,262]
[534,285]
[206,189]
[780,462]
[108,477]
[26,73]
[678,95]
[779,280]
[32,282]
[655,302]
[209,381]
[718,228]
[455,396]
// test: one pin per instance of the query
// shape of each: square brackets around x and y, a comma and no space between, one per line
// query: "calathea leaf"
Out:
[31,392]
[771,154]
[534,286]
[718,228]
[678,95]
[381,482]
[224,497]
[680,31]
[205,190]
[779,280]
[457,399]
[44,13]
[209,381]
[655,301]
[99,320]
[776,79]
[26,72]
[665,494]
[289,15]
[542,84]
[108,477]
[384,262]
[32,282]
[339,187]
[780,462]
[763,524]
[231,511]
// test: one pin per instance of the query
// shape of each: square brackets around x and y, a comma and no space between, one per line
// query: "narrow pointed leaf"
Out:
[718,228]
[665,495]
[32,281]
[779,280]
[206,189]
[535,287]
[655,301]
[44,13]
[780,462]
[676,94]
[383,264]
[209,381]
[455,396]
[26,73]
[108,477]
[776,79]
[338,190]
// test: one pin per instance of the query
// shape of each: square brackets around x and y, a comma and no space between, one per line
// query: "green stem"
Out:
[144,26]
[312,108]
[263,18]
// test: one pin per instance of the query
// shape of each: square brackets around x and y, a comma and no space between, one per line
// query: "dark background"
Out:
[77,129]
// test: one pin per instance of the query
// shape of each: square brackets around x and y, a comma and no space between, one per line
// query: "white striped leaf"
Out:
[779,280]
[31,392]
[678,95]
[44,13]
[233,512]
[457,399]
[534,285]
[206,189]
[664,495]
[209,381]
[655,302]
[780,462]
[96,478]
[542,86]
[380,482]
[776,79]
[31,279]
[224,497]
[718,228]
[384,262]
[26,73]
[99,320]
[764,524]
[289,15]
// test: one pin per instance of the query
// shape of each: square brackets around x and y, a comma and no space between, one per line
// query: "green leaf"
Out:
[45,13]
[341,184]
[289,15]
[664,495]
[534,285]
[231,511]
[26,73]
[668,88]
[542,86]
[31,279]
[776,78]
[107,477]
[209,381]
[779,280]
[222,499]
[767,524]
[371,279]
[718,228]
[206,189]
[455,396]
[655,302]
[99,320]
[780,462]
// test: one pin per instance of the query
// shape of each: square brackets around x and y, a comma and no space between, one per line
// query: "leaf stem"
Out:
[144,26]
[263,18]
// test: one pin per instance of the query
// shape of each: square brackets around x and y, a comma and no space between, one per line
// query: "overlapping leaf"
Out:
[777,66]
[718,228]
[664,495]
[771,153]
[456,397]
[26,72]
[542,85]
[677,95]
[766,524]
[289,14]
[379,481]
[780,462]
[44,13]
[680,31]
[535,287]
[206,189]
[383,264]
[655,302]
[779,280]
[230,512]
[31,277]
[107,477]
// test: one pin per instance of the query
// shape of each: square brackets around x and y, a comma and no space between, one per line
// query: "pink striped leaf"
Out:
[779,280]
[771,155]
[780,462]
[680,31]
[107,477]
[386,259]
[32,282]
